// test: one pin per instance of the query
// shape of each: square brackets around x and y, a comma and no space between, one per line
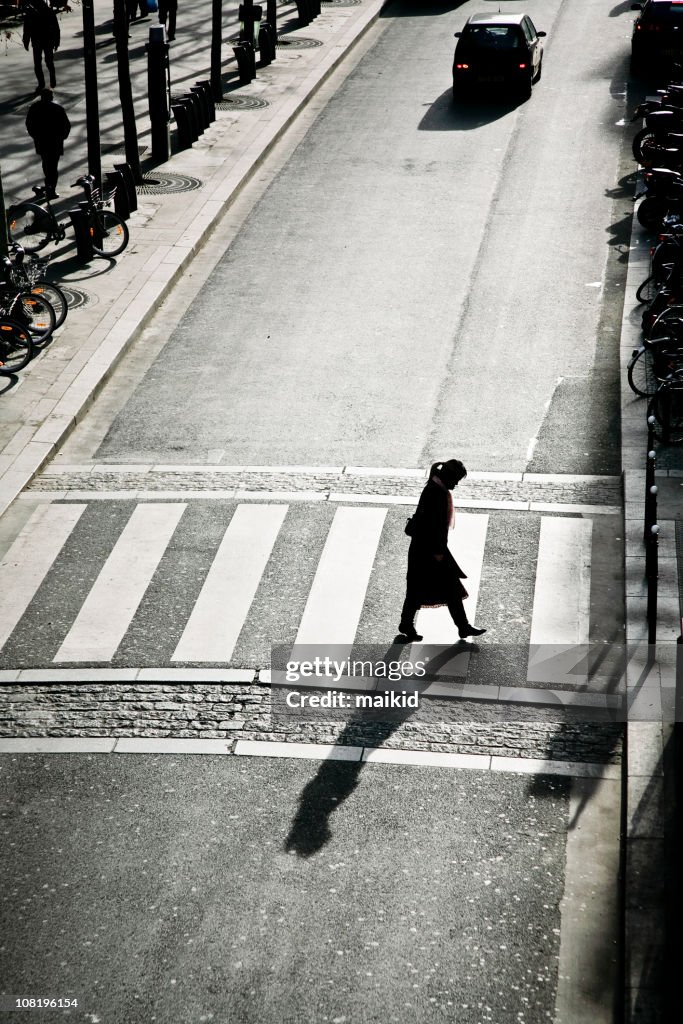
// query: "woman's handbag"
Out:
[410,526]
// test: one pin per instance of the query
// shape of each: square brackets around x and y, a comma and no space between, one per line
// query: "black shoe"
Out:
[410,633]
[38,89]
[470,631]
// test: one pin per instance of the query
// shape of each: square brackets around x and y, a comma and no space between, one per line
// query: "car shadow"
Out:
[448,115]
[415,9]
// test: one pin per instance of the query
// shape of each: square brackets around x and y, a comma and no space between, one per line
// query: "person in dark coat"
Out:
[41,32]
[434,577]
[168,10]
[48,125]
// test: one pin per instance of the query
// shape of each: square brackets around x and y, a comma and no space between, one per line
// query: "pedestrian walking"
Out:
[167,12]
[136,5]
[41,32]
[434,578]
[48,125]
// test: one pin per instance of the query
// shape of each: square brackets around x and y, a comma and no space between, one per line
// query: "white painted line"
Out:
[303,470]
[223,604]
[561,611]
[512,506]
[281,495]
[313,751]
[569,478]
[129,468]
[30,558]
[335,601]
[57,745]
[116,593]
[426,758]
[374,499]
[466,542]
[176,676]
[78,675]
[536,766]
[169,745]
[585,510]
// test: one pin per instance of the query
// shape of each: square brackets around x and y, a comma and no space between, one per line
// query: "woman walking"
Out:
[434,577]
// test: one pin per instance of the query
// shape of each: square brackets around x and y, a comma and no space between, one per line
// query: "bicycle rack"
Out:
[115,180]
[129,183]
[80,221]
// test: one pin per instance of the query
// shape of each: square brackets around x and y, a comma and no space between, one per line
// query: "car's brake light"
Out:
[462,67]
[522,65]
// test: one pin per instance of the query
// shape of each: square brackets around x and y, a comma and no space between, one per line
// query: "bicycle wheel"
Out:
[647,290]
[16,347]
[39,314]
[668,323]
[55,296]
[666,405]
[30,225]
[110,235]
[640,373]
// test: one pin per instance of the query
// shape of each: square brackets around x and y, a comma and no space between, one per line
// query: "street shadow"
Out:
[622,8]
[448,115]
[336,780]
[7,382]
[415,9]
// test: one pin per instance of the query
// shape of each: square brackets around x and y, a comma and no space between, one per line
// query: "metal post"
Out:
[158,89]
[652,574]
[271,14]
[130,133]
[246,20]
[92,111]
[4,237]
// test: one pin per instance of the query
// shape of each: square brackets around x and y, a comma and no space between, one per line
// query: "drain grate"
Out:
[77,299]
[298,42]
[162,183]
[242,103]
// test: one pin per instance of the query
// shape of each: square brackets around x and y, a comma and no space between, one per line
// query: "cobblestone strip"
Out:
[573,490]
[232,712]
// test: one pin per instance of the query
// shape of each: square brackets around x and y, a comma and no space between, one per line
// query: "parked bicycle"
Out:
[16,346]
[29,275]
[34,225]
[666,406]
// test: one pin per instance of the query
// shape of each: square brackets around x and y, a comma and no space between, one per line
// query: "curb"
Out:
[50,434]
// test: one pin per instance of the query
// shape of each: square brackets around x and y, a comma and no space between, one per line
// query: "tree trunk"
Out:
[130,131]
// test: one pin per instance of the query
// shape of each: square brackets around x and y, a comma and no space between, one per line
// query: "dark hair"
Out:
[46,94]
[452,469]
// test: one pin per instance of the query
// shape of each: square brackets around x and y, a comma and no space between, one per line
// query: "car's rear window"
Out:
[494,37]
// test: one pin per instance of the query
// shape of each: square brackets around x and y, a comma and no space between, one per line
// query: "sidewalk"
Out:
[651,685]
[40,408]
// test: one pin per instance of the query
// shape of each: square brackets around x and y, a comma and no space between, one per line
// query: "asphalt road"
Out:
[421,279]
[186,889]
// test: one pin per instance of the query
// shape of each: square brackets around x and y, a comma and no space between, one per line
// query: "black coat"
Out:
[48,125]
[431,583]
[41,28]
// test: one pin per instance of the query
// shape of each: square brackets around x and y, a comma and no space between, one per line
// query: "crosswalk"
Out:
[361,555]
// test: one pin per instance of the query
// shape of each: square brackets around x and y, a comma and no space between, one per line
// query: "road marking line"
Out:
[229,589]
[336,598]
[313,751]
[30,558]
[116,593]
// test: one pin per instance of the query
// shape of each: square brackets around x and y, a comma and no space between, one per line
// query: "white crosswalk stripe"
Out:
[335,602]
[561,611]
[354,555]
[30,558]
[114,598]
[223,604]
[466,541]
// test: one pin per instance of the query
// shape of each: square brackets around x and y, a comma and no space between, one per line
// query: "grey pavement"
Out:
[183,889]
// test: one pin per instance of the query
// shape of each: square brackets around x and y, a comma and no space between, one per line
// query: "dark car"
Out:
[657,40]
[497,50]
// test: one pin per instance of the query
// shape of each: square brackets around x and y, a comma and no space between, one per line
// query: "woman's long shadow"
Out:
[336,780]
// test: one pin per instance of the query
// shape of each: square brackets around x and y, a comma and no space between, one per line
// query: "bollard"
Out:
[157,91]
[206,86]
[113,182]
[652,575]
[202,105]
[199,110]
[182,120]
[303,10]
[266,44]
[244,54]
[315,8]
[129,182]
[80,220]
[187,102]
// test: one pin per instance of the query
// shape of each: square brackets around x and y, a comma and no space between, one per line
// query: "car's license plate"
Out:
[491,78]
